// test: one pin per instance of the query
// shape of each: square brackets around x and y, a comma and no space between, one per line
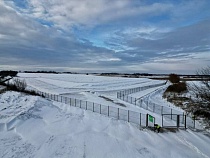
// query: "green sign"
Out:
[150,118]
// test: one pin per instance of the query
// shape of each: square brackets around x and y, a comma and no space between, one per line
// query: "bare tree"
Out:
[20,84]
[202,90]
[202,93]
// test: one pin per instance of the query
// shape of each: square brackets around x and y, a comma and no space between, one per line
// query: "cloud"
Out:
[67,13]
[103,35]
[27,42]
[193,37]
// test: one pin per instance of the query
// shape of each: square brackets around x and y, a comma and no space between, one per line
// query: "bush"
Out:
[19,84]
[178,88]
[203,113]
[174,78]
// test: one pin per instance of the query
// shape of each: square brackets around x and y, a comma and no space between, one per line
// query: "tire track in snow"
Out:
[190,145]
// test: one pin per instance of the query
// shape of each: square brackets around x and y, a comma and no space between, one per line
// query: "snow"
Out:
[35,127]
[2,88]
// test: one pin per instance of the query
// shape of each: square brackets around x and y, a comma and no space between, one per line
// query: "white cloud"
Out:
[39,35]
[67,13]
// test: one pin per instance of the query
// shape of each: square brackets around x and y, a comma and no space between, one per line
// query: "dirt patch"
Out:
[164,129]
[107,99]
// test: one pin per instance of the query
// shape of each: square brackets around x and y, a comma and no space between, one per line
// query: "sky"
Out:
[125,36]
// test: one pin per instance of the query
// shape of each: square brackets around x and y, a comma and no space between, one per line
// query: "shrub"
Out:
[202,112]
[19,84]
[178,88]
[174,78]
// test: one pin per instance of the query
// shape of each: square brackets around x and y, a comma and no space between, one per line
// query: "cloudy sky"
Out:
[154,36]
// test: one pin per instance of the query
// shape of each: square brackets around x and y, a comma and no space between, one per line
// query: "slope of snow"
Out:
[75,83]
[36,127]
[50,129]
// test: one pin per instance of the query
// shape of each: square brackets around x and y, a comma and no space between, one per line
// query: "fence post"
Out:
[171,114]
[140,120]
[80,104]
[183,118]
[128,115]
[161,110]
[75,102]
[185,122]
[147,120]
[108,110]
[100,108]
[177,121]
[118,113]
[61,99]
[93,107]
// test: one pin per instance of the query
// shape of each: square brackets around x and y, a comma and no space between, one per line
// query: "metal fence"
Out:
[126,92]
[167,113]
[179,121]
[146,103]
[140,119]
[118,113]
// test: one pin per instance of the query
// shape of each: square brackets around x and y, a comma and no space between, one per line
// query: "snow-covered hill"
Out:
[35,127]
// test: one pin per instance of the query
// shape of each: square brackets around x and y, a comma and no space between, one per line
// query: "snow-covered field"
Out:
[35,127]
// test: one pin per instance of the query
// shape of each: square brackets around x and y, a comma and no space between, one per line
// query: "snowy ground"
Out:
[35,127]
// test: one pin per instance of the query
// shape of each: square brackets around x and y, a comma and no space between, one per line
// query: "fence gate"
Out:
[174,120]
